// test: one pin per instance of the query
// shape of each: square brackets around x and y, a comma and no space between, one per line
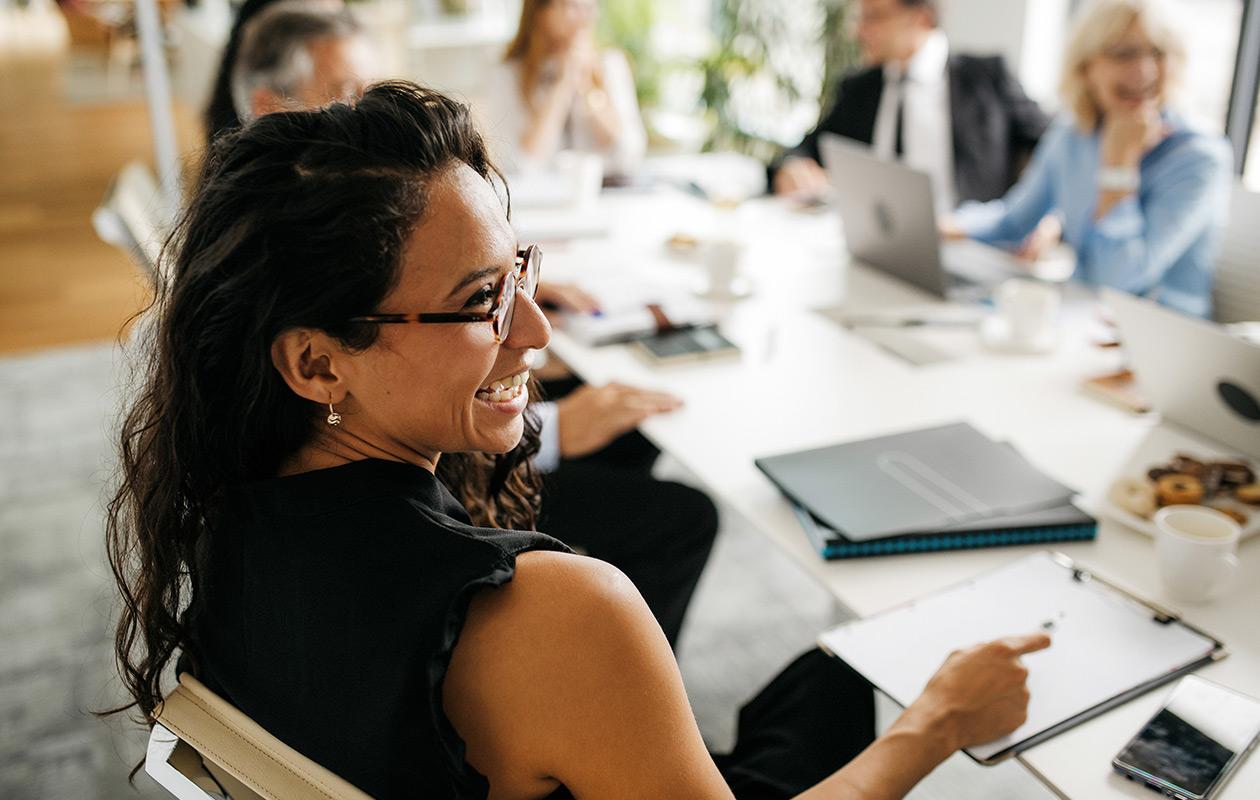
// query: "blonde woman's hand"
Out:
[1130,133]
[1047,234]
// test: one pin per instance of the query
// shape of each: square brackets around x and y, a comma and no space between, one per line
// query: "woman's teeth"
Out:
[506,389]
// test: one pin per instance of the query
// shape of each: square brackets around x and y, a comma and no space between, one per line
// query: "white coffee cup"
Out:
[1029,309]
[722,260]
[586,176]
[1196,548]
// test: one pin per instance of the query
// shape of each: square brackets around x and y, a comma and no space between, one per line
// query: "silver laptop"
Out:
[1195,374]
[890,223]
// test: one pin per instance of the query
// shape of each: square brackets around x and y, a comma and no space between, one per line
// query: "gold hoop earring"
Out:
[334,419]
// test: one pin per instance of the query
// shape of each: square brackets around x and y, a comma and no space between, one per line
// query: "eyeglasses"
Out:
[1131,54]
[525,279]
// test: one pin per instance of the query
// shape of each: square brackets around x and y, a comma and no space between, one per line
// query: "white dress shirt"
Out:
[504,115]
[927,132]
[548,457]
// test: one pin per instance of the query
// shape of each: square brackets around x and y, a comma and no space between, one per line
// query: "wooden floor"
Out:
[59,283]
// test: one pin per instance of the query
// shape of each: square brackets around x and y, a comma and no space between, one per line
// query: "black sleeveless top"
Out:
[328,605]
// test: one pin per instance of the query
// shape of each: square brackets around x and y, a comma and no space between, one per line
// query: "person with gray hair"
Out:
[299,54]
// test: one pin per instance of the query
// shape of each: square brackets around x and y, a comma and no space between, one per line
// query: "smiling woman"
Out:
[1139,193]
[303,468]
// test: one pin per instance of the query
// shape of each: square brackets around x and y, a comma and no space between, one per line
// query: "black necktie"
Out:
[899,147]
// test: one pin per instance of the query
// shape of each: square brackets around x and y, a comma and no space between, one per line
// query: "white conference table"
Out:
[804,381]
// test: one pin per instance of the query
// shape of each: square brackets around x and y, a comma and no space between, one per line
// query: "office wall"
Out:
[1029,33]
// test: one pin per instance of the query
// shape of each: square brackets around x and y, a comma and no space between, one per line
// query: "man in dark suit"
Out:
[964,120]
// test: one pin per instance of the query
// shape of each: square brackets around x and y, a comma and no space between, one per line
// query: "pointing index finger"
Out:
[1022,645]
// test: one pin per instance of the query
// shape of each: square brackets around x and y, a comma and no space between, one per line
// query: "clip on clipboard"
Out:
[1109,646]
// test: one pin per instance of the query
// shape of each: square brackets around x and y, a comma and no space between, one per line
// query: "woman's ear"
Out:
[307,360]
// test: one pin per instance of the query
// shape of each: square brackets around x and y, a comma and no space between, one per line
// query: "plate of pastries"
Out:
[1228,485]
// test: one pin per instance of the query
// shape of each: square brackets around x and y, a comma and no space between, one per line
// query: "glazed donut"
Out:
[1134,495]
[1179,489]
[1249,493]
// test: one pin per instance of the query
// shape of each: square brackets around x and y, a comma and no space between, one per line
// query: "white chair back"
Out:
[203,748]
[134,217]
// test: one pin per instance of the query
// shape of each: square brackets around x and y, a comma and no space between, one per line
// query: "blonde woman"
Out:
[557,91]
[1121,177]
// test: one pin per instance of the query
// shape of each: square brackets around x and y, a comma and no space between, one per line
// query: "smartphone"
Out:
[1193,744]
[686,344]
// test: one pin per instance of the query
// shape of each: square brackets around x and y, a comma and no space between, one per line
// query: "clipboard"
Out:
[1109,645]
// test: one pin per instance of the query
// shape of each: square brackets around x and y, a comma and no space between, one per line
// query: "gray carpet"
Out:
[753,613]
[55,600]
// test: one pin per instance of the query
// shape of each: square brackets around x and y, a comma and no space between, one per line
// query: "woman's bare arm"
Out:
[563,676]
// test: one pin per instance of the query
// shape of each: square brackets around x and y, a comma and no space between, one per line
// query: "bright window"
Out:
[1211,30]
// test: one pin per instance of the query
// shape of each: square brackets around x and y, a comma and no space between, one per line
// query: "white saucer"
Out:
[995,334]
[739,289]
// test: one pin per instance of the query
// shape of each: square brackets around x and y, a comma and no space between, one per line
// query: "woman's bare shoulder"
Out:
[550,676]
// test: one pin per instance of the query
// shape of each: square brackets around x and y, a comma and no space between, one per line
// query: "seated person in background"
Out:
[555,90]
[296,55]
[299,54]
[1138,194]
[964,120]
[221,114]
[280,524]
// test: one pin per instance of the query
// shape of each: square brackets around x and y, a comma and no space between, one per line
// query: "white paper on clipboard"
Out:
[1106,644]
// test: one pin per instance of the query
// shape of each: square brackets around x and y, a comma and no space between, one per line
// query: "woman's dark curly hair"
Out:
[300,220]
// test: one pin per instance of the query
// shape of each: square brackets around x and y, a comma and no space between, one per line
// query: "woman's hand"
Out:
[1127,135]
[580,65]
[1047,234]
[979,694]
[1130,133]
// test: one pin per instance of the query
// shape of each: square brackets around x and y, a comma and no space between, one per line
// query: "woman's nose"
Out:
[530,328]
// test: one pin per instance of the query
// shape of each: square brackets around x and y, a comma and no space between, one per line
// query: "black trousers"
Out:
[608,505]
[813,718]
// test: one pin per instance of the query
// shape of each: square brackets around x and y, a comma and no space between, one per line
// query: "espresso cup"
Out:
[1196,548]
[1028,308]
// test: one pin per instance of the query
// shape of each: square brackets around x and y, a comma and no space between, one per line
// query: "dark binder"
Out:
[943,488]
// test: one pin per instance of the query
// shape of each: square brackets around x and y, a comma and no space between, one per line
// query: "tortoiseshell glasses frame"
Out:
[525,278]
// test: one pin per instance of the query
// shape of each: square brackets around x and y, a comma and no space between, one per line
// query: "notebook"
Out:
[1064,523]
[935,488]
[1108,646]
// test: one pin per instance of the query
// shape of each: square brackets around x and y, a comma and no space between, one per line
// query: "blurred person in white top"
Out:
[557,91]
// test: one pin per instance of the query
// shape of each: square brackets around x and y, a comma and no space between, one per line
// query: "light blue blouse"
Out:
[1159,242]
